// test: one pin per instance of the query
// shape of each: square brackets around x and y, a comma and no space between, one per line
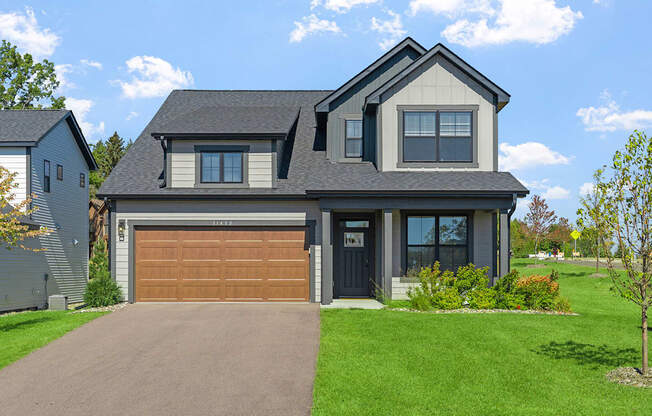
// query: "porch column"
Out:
[503,266]
[387,252]
[326,258]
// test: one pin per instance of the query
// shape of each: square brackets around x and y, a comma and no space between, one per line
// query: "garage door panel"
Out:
[221,264]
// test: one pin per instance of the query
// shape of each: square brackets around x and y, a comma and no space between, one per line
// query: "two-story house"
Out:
[315,195]
[51,160]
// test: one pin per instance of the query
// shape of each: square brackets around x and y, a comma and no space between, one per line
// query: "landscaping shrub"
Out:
[102,291]
[469,287]
[539,292]
[484,298]
[98,265]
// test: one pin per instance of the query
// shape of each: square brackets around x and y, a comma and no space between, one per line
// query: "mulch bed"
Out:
[468,310]
[111,308]
[630,376]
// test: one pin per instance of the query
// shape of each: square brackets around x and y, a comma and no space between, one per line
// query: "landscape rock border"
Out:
[111,308]
[469,310]
[630,376]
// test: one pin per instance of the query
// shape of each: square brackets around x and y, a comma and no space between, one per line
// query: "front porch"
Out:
[369,244]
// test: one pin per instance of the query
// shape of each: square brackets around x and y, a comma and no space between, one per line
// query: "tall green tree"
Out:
[591,216]
[628,215]
[25,83]
[107,154]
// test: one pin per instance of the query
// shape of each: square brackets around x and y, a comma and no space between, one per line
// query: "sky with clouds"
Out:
[577,71]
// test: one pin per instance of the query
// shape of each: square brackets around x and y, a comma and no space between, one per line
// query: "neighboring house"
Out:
[98,226]
[315,195]
[48,152]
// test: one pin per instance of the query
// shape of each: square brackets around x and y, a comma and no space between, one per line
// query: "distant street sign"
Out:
[575,234]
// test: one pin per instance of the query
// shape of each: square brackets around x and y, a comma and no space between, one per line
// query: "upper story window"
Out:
[353,138]
[437,136]
[221,167]
[46,176]
[59,172]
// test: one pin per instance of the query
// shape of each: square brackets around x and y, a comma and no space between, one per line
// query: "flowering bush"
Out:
[539,292]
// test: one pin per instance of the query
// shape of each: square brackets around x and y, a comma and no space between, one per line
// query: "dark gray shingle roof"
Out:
[139,172]
[27,125]
[242,120]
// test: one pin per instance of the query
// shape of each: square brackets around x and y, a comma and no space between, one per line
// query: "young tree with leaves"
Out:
[627,211]
[539,219]
[26,84]
[12,231]
[591,217]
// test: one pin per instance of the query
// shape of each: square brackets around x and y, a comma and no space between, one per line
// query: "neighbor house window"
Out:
[82,180]
[437,136]
[59,172]
[46,176]
[353,140]
[221,167]
[432,238]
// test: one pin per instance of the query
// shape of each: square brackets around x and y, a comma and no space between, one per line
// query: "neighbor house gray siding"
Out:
[350,103]
[202,213]
[260,159]
[64,210]
[15,160]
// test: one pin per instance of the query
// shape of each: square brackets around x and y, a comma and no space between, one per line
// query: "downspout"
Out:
[509,231]
[161,139]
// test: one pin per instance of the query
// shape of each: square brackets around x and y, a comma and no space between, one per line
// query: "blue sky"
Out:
[578,71]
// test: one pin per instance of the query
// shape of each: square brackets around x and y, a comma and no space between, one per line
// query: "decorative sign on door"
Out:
[353,239]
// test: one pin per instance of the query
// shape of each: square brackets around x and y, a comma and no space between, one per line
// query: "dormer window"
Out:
[221,167]
[353,138]
[438,135]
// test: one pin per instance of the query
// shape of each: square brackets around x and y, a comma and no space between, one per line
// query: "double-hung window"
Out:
[46,176]
[432,238]
[437,136]
[353,138]
[221,167]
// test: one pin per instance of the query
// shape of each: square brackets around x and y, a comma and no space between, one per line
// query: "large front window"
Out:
[432,238]
[221,167]
[437,136]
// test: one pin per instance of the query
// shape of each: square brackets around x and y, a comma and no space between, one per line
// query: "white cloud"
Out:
[91,63]
[529,155]
[312,24]
[586,188]
[392,29]
[609,117]
[546,190]
[340,6]
[80,108]
[61,72]
[24,31]
[152,77]
[534,21]
[450,8]
[132,114]
[556,192]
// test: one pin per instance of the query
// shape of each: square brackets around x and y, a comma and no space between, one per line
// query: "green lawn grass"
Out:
[24,332]
[402,363]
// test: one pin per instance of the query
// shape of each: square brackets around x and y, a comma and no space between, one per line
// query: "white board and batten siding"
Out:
[182,161]
[14,159]
[64,210]
[437,86]
[266,212]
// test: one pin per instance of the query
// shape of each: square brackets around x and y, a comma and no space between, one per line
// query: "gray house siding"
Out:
[64,210]
[351,102]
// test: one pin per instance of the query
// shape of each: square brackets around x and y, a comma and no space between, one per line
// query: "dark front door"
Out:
[354,249]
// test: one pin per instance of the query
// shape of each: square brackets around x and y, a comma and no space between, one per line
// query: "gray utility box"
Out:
[58,302]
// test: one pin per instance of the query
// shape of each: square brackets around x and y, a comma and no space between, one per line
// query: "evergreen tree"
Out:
[98,265]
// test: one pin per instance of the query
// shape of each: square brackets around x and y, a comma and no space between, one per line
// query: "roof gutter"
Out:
[513,208]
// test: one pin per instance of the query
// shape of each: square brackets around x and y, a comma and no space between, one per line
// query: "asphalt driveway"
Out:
[173,359]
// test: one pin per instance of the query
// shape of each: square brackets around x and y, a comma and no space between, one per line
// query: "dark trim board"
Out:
[416,203]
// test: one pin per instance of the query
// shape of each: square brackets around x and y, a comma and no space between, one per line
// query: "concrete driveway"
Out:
[173,359]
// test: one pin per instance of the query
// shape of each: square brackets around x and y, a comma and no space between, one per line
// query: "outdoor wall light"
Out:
[121,230]
[75,242]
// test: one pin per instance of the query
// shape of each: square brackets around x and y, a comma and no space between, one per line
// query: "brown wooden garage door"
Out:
[221,264]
